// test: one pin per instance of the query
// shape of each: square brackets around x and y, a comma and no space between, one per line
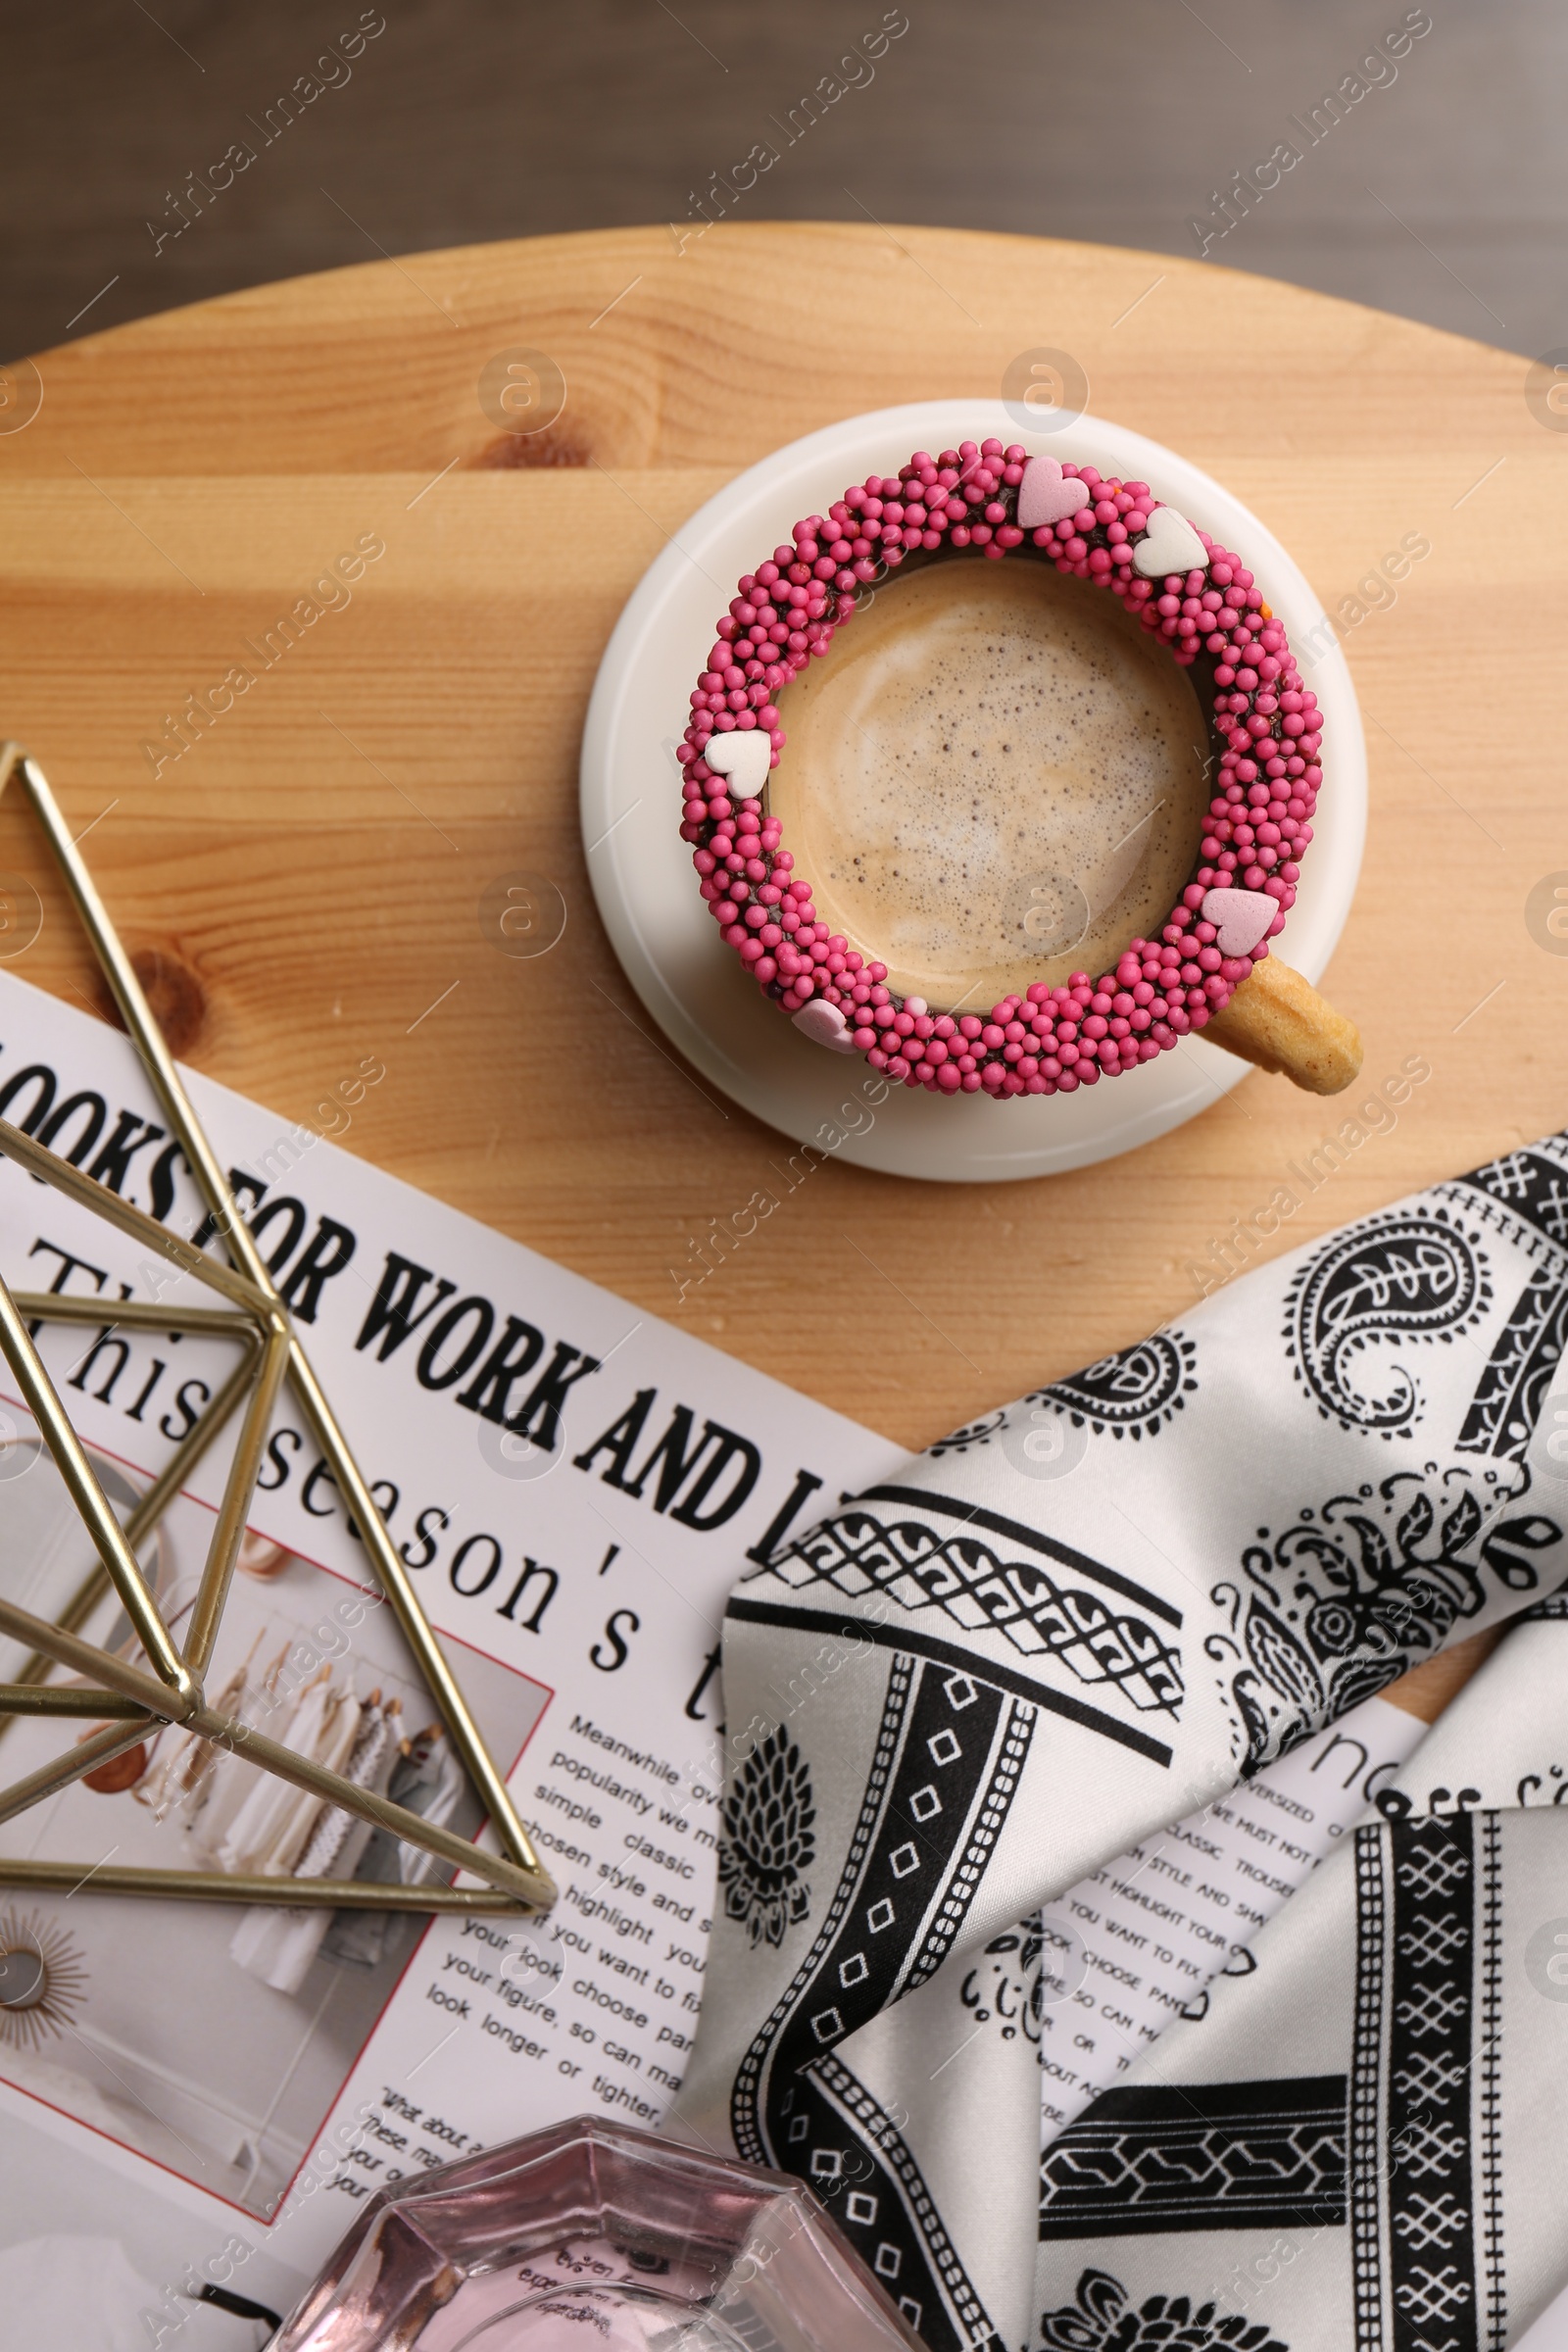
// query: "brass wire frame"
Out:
[128,1699]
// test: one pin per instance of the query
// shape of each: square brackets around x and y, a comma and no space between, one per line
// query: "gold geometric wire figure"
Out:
[129,1700]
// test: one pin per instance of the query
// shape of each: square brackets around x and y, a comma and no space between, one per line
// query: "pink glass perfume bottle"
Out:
[594,2233]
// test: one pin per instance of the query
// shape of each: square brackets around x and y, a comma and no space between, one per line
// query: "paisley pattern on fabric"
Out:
[973,1433]
[1352,1595]
[1005,1988]
[1131,1393]
[768,1846]
[1100,2320]
[1411,1276]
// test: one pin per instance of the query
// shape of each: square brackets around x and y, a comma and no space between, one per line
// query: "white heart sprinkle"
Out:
[743,755]
[824,1025]
[1241,918]
[1045,495]
[1170,544]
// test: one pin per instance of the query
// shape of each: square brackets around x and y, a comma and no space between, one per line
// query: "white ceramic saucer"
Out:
[647,891]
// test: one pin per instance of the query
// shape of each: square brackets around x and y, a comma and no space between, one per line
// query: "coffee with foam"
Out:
[994,776]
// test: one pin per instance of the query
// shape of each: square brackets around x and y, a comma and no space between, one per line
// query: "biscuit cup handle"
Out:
[1278,1020]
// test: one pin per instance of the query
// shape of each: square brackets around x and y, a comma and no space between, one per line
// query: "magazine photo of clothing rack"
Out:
[126,2032]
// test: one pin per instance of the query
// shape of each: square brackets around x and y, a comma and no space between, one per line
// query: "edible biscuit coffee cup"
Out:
[1001,774]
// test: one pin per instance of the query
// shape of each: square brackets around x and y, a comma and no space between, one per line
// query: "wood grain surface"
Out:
[311,870]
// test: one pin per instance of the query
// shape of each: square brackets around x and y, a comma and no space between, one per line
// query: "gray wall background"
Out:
[1437,192]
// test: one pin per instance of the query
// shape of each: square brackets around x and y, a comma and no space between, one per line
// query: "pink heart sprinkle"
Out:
[824,1025]
[1046,496]
[1241,918]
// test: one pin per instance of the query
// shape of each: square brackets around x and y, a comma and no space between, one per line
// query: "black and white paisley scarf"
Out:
[1079,1620]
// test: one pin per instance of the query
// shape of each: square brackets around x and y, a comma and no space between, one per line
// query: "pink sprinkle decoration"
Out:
[1048,495]
[1051,1040]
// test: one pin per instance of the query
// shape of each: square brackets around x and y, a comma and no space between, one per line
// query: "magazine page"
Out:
[201,2094]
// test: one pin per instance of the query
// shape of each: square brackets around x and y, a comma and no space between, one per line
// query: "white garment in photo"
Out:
[270,1831]
[279,1945]
[267,1800]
